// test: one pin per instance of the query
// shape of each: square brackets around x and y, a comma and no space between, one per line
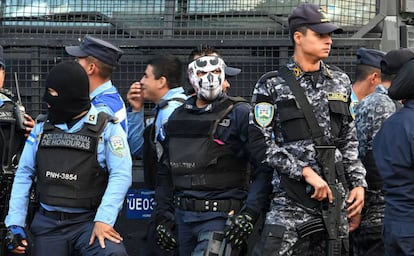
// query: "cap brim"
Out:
[75,51]
[229,71]
[325,28]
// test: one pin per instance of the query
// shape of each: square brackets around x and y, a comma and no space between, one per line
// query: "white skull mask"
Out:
[207,75]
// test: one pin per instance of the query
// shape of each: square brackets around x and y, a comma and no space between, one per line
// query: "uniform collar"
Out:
[102,88]
[299,73]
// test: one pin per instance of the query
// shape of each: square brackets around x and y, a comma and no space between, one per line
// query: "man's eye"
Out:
[201,73]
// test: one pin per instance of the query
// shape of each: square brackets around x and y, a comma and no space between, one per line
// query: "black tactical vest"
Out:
[197,160]
[68,172]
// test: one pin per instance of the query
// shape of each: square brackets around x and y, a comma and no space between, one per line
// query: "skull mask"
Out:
[207,75]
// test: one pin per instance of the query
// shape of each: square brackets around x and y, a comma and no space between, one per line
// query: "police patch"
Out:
[116,144]
[263,113]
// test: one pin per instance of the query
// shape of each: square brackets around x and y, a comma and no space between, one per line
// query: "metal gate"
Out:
[249,34]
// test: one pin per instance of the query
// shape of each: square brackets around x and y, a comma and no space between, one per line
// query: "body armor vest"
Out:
[68,172]
[197,160]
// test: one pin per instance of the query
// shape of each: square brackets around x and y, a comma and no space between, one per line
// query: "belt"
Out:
[213,205]
[61,215]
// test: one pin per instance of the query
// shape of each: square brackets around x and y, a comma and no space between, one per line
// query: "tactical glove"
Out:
[14,237]
[165,235]
[239,227]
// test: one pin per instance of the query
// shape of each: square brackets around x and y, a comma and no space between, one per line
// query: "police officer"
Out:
[306,106]
[204,190]
[81,163]
[393,154]
[100,58]
[371,112]
[160,84]
[367,75]
[12,137]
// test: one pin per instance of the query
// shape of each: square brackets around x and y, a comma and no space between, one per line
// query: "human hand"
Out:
[29,123]
[103,231]
[164,231]
[16,239]
[135,96]
[239,227]
[320,186]
[354,222]
[355,201]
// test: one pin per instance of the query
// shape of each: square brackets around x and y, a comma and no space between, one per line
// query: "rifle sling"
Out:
[303,102]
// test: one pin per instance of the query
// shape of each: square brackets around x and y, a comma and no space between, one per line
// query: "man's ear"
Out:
[163,81]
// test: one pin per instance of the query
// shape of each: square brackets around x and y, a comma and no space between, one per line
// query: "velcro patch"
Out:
[337,96]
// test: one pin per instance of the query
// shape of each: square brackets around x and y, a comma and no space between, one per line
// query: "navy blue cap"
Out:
[1,57]
[313,17]
[98,48]
[395,59]
[230,71]
[369,57]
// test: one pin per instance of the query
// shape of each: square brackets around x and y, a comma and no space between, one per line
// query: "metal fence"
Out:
[250,34]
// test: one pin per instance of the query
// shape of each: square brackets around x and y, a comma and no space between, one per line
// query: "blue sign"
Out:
[140,203]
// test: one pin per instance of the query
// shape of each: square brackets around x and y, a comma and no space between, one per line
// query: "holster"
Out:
[298,192]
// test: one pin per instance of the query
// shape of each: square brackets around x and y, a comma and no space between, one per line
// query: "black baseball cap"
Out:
[370,57]
[395,59]
[313,17]
[98,48]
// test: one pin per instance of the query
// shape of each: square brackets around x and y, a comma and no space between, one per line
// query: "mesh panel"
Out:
[250,34]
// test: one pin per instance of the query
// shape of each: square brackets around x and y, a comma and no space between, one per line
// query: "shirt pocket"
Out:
[292,120]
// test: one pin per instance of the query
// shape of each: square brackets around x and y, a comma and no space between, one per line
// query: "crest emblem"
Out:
[263,114]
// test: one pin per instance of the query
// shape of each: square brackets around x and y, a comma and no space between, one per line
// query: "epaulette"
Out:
[237,99]
[333,67]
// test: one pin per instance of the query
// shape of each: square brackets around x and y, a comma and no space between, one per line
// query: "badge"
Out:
[117,146]
[263,113]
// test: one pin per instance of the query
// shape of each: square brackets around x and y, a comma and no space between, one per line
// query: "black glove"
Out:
[239,227]
[165,235]
[14,237]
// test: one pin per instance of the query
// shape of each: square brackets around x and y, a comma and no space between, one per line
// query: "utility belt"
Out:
[213,205]
[61,215]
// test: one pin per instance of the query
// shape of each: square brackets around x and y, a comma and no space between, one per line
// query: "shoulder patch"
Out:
[263,113]
[116,144]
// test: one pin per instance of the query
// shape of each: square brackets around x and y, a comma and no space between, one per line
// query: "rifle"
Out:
[331,212]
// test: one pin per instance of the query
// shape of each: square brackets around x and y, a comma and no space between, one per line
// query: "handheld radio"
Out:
[19,109]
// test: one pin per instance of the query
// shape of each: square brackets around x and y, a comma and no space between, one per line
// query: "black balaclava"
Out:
[71,83]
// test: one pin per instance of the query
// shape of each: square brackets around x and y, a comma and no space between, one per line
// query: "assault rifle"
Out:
[331,212]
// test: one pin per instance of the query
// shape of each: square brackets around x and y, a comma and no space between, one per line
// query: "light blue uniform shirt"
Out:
[111,155]
[136,124]
[107,99]
[353,103]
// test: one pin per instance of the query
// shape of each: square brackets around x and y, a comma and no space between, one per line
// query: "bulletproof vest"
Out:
[68,172]
[198,160]
[150,158]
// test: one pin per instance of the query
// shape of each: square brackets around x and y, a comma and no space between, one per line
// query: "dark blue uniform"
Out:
[393,152]
[205,208]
